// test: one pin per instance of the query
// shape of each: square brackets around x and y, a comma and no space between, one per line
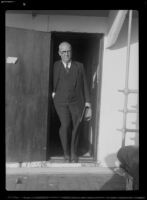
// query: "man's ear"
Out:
[59,53]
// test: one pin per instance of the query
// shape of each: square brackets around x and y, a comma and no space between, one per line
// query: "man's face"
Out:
[65,52]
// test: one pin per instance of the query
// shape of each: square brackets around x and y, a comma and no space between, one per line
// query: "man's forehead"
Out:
[64,45]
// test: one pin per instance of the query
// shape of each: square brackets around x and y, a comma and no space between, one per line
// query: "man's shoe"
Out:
[74,159]
[66,159]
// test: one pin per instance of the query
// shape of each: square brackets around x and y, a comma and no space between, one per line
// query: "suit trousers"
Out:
[69,115]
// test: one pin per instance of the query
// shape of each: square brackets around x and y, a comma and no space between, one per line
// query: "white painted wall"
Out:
[113,73]
[113,79]
[57,23]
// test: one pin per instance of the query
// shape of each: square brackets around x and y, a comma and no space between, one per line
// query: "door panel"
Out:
[27,95]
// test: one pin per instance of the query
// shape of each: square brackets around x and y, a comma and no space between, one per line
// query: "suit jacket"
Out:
[81,88]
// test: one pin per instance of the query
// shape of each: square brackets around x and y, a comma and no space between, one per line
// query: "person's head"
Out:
[65,51]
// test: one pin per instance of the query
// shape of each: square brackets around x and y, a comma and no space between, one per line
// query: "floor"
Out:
[63,179]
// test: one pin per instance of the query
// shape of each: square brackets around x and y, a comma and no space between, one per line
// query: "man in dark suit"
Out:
[70,96]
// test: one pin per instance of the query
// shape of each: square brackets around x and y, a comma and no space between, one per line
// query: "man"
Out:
[70,96]
[129,161]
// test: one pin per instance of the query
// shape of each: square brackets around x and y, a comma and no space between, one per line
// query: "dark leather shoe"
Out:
[74,159]
[66,159]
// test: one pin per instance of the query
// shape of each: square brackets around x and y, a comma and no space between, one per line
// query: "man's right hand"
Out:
[53,94]
[88,113]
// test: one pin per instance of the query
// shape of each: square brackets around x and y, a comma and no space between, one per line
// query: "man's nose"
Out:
[67,52]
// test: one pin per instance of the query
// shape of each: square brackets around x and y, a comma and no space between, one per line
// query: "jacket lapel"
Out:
[74,67]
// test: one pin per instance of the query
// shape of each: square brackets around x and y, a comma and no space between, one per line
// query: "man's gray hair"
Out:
[64,43]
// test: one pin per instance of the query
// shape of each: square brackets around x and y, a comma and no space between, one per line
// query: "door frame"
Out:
[98,102]
[93,158]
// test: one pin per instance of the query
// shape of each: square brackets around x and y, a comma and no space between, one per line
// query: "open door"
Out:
[26,90]
[87,49]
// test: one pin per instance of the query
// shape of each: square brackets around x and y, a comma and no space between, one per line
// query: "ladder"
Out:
[128,91]
[125,112]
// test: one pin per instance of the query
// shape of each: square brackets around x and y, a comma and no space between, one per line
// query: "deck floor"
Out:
[66,179]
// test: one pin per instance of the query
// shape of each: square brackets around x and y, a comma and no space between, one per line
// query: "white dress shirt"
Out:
[67,64]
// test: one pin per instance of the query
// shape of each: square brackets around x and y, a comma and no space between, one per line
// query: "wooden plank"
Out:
[27,95]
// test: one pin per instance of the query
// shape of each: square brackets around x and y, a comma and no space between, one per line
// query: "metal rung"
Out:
[132,111]
[134,122]
[128,130]
[131,130]
[128,111]
[133,91]
[135,106]
[122,130]
[128,91]
[124,91]
[124,111]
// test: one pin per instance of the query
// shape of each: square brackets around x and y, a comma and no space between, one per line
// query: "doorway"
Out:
[87,48]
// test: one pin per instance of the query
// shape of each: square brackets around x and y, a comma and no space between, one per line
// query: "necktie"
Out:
[67,69]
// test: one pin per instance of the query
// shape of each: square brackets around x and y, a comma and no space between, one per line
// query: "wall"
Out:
[57,23]
[113,79]
[113,75]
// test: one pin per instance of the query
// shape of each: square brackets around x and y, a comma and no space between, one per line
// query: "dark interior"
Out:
[85,48]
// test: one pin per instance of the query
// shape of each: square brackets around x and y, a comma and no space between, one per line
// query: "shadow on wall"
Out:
[110,160]
[123,35]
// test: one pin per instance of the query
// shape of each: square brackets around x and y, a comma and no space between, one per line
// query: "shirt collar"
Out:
[69,64]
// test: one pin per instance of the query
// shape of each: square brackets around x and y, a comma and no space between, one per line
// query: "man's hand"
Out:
[53,94]
[88,113]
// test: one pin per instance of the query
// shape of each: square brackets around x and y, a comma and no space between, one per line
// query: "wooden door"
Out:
[26,88]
